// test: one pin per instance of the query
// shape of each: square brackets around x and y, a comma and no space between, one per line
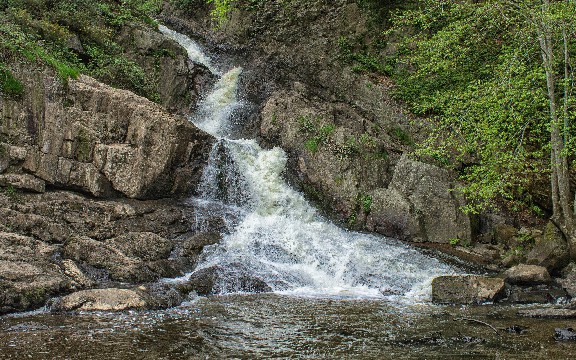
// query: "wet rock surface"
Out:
[550,313]
[214,280]
[466,289]
[567,334]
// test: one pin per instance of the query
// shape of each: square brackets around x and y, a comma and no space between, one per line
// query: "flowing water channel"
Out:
[335,294]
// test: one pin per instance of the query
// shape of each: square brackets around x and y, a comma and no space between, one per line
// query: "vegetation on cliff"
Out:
[495,78]
[74,37]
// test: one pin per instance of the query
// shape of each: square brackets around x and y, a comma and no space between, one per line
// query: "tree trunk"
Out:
[563,214]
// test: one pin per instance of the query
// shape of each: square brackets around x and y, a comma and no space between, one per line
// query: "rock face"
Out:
[103,141]
[114,146]
[568,280]
[420,204]
[27,277]
[180,82]
[527,275]
[468,289]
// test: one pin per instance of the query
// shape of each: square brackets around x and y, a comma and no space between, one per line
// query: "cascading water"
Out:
[277,236]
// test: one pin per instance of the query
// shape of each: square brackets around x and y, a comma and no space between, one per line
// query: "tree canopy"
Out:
[496,81]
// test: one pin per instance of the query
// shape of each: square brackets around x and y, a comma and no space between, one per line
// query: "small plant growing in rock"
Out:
[454,241]
[9,85]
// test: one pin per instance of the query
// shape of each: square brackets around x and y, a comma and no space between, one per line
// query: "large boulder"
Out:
[550,251]
[527,275]
[217,280]
[420,205]
[103,141]
[101,300]
[466,289]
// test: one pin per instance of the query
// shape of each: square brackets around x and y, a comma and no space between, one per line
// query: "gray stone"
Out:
[23,182]
[550,250]
[101,300]
[103,256]
[568,279]
[143,245]
[466,289]
[209,281]
[527,275]
[194,245]
[420,205]
[76,274]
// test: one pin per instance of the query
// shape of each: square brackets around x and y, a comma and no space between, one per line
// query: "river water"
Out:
[336,294]
[263,326]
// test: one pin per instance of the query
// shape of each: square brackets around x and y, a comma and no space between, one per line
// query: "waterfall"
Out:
[278,237]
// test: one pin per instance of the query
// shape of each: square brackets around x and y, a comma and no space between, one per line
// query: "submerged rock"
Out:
[527,275]
[216,280]
[549,313]
[564,334]
[466,289]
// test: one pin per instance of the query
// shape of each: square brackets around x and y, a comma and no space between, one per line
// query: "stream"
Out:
[334,293]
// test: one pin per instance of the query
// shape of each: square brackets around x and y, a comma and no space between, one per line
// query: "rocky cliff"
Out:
[80,162]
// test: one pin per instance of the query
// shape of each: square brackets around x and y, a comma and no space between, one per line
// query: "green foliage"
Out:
[366,201]
[362,57]
[311,145]
[221,10]
[318,135]
[474,69]
[9,85]
[402,136]
[76,37]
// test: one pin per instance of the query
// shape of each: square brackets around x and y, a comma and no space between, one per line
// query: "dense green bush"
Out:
[77,36]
